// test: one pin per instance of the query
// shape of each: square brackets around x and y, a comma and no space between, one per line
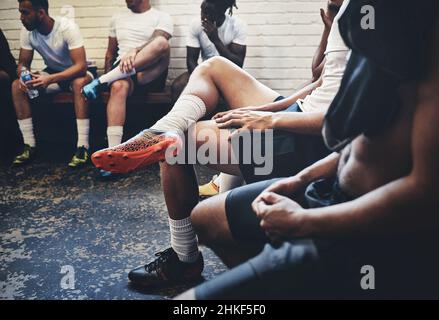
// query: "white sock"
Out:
[184,240]
[114,135]
[83,126]
[115,74]
[228,182]
[186,111]
[27,130]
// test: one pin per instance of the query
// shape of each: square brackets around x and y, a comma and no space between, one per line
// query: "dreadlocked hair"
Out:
[226,4]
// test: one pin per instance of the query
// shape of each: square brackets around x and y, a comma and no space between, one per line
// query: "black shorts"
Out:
[66,86]
[292,152]
[157,85]
[243,222]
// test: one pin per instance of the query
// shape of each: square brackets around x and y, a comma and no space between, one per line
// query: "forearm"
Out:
[398,208]
[20,65]
[225,52]
[319,56]
[285,103]
[75,71]
[109,58]
[322,169]
[309,123]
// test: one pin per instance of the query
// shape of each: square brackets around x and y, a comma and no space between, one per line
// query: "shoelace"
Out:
[163,256]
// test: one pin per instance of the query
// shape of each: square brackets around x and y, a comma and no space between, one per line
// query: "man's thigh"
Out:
[237,86]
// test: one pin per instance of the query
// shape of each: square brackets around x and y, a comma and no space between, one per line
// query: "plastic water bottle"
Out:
[26,76]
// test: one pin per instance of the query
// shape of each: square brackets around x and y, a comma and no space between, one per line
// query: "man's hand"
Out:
[287,187]
[22,86]
[224,113]
[211,30]
[127,61]
[326,18]
[329,15]
[246,120]
[280,216]
[39,81]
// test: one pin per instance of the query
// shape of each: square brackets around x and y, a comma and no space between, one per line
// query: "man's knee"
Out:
[120,87]
[79,83]
[210,223]
[161,45]
[200,222]
[16,86]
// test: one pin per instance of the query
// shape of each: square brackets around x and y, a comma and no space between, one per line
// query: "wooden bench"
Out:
[148,98]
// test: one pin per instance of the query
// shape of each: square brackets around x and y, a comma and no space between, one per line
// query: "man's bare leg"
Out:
[24,118]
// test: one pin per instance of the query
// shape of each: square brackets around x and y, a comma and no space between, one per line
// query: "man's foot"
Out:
[80,158]
[167,269]
[26,156]
[146,148]
[209,189]
[91,91]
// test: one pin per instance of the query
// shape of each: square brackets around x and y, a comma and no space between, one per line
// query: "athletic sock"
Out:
[83,126]
[27,130]
[114,75]
[184,240]
[114,135]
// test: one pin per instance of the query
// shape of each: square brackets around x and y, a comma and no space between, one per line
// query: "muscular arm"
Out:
[319,56]
[156,34]
[78,68]
[234,52]
[110,55]
[192,55]
[309,123]
[24,59]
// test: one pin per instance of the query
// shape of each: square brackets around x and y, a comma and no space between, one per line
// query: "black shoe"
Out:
[27,155]
[167,269]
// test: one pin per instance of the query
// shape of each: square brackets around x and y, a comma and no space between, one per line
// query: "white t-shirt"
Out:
[55,47]
[337,55]
[233,30]
[133,30]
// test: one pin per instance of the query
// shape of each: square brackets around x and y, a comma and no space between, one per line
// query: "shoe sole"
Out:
[125,162]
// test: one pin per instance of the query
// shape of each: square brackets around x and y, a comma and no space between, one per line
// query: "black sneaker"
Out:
[167,269]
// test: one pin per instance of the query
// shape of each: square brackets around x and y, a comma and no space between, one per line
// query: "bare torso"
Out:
[370,162]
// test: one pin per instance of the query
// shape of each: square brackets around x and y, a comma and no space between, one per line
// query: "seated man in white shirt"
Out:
[60,43]
[138,53]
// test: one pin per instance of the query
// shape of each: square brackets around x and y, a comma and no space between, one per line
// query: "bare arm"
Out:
[110,55]
[156,34]
[192,55]
[309,123]
[234,52]
[25,59]
[78,69]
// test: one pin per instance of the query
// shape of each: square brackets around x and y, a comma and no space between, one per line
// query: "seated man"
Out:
[363,209]
[60,43]
[297,142]
[8,69]
[216,34]
[139,40]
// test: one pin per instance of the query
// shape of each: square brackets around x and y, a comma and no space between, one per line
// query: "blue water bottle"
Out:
[26,76]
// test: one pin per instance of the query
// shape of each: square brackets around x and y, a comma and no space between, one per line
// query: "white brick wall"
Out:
[283,35]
